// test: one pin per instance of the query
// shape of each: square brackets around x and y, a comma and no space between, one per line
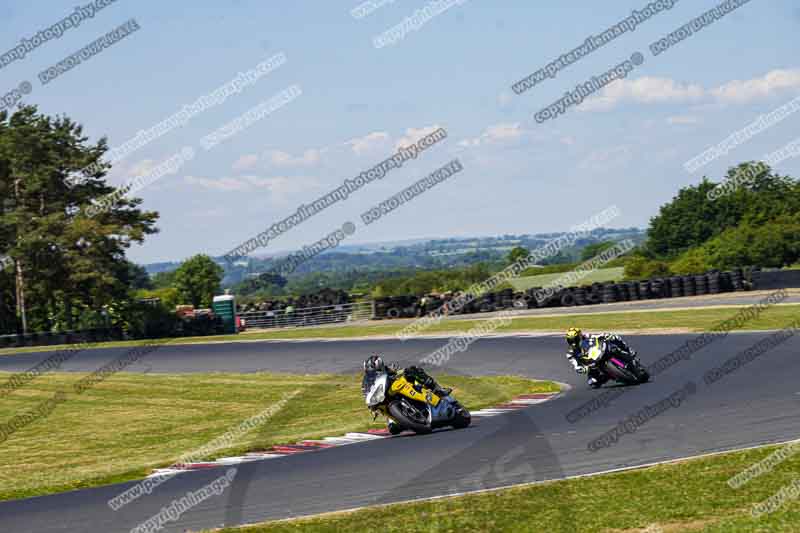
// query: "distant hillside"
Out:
[415,254]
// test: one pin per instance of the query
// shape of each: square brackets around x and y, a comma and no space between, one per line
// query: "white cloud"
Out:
[643,90]
[222,184]
[500,132]
[504,99]
[245,162]
[413,135]
[470,142]
[283,159]
[495,134]
[650,90]
[142,168]
[683,119]
[124,171]
[279,185]
[361,145]
[740,92]
[283,185]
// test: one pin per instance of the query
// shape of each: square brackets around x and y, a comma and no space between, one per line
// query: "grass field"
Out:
[690,496]
[124,427]
[694,320]
[542,280]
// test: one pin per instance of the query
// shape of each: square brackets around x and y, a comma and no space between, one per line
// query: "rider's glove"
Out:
[581,370]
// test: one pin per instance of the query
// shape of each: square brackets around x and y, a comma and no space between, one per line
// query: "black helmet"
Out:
[374,363]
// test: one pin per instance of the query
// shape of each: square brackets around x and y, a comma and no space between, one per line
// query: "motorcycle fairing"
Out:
[617,362]
[405,388]
[377,390]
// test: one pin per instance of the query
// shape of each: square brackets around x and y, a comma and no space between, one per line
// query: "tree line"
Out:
[755,223]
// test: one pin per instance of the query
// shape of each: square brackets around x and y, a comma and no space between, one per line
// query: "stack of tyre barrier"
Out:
[713,282]
[323,298]
[401,307]
[609,293]
[701,284]
[737,279]
[200,325]
[675,287]
[688,285]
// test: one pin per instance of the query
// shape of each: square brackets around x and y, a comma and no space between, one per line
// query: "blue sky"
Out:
[626,147]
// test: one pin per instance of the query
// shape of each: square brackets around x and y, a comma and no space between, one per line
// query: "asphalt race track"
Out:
[757,404]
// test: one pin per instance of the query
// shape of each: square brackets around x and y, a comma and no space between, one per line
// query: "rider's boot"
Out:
[596,379]
[393,428]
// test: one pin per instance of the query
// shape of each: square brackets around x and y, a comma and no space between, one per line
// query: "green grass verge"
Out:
[696,320]
[124,427]
[601,275]
[687,496]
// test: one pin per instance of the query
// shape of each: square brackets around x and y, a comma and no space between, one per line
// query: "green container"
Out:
[225,308]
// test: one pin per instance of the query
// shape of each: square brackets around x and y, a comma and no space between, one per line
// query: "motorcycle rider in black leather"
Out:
[413,374]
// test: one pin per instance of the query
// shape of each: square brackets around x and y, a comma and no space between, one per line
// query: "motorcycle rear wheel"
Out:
[408,416]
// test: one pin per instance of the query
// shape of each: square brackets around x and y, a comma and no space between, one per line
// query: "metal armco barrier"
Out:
[308,316]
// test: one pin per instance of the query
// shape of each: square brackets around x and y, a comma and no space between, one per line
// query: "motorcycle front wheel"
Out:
[642,373]
[409,416]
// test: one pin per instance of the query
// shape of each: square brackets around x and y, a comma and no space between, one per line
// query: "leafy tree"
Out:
[163,280]
[593,249]
[691,218]
[66,264]
[168,295]
[774,244]
[693,261]
[516,254]
[137,277]
[198,279]
[639,267]
[270,278]
[563,257]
